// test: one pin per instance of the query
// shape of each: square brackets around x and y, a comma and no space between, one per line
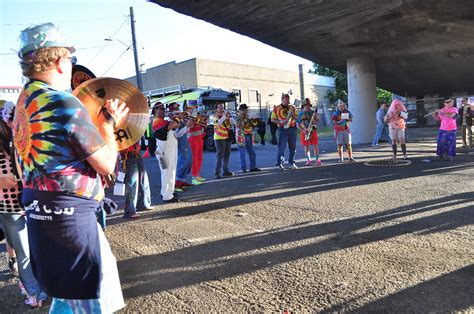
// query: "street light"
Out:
[138,73]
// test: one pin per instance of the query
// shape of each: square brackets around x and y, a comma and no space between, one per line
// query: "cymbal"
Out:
[94,92]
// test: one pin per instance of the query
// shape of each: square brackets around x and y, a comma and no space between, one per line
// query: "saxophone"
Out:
[311,127]
[291,117]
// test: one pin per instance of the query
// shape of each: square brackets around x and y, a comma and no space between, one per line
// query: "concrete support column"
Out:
[362,98]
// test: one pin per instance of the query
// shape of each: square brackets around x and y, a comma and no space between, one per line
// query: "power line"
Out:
[107,43]
[63,22]
[117,60]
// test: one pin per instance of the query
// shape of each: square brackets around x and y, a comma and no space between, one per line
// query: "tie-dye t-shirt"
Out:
[53,136]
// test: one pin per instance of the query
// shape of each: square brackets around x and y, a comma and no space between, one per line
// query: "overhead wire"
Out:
[108,43]
[117,60]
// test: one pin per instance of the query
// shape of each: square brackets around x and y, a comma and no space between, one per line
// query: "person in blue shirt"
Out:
[381,125]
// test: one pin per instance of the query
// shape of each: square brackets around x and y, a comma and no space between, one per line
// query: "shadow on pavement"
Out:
[245,254]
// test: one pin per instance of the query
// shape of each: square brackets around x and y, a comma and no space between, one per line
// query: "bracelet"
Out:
[108,116]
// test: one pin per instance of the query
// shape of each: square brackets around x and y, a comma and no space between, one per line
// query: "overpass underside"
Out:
[418,47]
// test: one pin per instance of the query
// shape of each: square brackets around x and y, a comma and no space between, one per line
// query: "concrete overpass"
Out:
[410,47]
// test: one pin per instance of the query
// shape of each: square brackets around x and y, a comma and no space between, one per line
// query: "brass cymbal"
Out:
[94,92]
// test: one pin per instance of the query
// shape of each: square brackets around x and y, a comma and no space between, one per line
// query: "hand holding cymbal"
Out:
[118,111]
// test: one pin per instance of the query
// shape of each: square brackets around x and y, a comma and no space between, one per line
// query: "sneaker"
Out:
[341,160]
[228,174]
[318,162]
[13,265]
[352,160]
[281,166]
[173,200]
[394,157]
[201,179]
[244,170]
[218,176]
[134,216]
[255,170]
[178,189]
[293,167]
[308,163]
[405,157]
[184,184]
[375,145]
[33,302]
[195,181]
[451,158]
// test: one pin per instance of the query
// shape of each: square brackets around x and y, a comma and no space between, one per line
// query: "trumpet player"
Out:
[196,134]
[61,163]
[284,115]
[244,134]
[185,158]
[166,152]
[307,122]
[223,139]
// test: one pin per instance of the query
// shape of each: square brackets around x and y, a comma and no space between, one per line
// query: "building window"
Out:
[253,96]
[238,93]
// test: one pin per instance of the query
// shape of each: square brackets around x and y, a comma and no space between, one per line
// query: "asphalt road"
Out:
[340,237]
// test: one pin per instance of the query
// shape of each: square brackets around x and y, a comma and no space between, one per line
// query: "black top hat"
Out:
[243,107]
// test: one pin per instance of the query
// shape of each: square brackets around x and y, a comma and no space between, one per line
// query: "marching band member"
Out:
[222,128]
[284,115]
[342,118]
[244,134]
[447,130]
[185,158]
[166,152]
[196,134]
[137,187]
[62,155]
[307,122]
[396,126]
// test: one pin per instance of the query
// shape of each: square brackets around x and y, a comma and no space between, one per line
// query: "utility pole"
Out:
[135,54]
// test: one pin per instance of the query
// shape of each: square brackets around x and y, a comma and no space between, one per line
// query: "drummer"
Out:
[61,161]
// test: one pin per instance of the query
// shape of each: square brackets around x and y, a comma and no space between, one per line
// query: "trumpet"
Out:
[186,116]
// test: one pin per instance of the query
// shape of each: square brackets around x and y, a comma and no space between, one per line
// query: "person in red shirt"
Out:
[196,134]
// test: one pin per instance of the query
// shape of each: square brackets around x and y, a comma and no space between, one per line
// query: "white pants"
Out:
[169,150]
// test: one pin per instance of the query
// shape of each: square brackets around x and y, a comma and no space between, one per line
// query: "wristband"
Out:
[108,117]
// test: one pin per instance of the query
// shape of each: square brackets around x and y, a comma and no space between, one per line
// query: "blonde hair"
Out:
[41,60]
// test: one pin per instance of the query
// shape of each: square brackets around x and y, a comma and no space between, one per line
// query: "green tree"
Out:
[340,91]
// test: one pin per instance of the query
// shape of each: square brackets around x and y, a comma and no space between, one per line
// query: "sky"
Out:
[163,35]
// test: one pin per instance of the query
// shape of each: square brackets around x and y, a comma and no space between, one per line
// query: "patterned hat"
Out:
[41,36]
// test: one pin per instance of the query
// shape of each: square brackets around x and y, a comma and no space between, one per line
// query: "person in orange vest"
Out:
[284,115]
[222,128]
[244,135]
